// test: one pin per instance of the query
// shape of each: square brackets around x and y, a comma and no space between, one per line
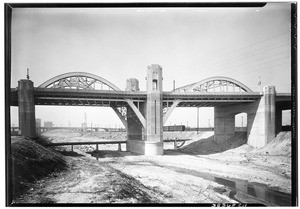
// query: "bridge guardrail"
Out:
[111,142]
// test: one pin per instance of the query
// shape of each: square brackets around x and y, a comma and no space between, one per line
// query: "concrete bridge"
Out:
[144,113]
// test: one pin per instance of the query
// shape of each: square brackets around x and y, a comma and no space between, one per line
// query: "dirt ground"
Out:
[195,173]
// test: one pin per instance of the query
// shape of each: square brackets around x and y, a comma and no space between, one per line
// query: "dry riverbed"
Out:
[179,176]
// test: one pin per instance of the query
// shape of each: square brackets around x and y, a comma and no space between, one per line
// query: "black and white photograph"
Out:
[151,104]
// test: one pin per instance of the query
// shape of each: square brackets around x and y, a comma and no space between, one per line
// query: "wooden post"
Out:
[175,144]
[71,148]
[119,147]
[97,147]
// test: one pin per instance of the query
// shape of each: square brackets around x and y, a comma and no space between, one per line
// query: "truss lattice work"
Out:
[215,84]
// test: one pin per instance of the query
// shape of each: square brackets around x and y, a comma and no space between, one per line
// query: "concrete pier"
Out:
[148,140]
[134,127]
[154,114]
[261,119]
[224,123]
[27,124]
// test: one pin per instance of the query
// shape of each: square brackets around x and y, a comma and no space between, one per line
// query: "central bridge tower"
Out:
[148,140]
[154,113]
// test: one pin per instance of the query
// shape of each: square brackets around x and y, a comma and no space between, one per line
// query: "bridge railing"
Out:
[72,144]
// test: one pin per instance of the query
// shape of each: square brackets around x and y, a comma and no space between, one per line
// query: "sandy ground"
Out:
[187,175]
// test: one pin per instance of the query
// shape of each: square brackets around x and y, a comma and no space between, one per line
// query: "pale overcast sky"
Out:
[190,44]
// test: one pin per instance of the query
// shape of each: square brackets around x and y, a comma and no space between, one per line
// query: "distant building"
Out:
[48,124]
[38,123]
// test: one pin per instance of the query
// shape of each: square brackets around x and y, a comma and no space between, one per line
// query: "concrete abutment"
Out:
[260,119]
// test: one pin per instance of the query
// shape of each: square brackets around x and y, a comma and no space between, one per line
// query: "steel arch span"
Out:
[79,80]
[215,84]
[88,81]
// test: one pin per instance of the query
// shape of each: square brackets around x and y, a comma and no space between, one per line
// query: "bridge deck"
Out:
[74,97]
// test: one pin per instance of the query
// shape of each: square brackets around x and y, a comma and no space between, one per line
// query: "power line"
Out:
[226,53]
[238,57]
[262,58]
[278,65]
[239,50]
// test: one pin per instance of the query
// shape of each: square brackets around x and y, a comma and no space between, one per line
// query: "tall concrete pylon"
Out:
[261,119]
[154,112]
[27,123]
[147,140]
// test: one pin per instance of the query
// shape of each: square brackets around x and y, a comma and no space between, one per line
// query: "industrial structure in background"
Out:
[143,114]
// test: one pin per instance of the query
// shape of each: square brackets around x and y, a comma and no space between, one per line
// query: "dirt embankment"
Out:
[30,162]
[45,176]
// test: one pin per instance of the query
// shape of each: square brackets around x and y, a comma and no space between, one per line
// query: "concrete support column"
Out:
[224,123]
[261,119]
[154,112]
[278,117]
[150,140]
[27,123]
[134,127]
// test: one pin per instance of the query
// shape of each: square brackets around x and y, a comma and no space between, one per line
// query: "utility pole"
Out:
[259,83]
[27,73]
[173,84]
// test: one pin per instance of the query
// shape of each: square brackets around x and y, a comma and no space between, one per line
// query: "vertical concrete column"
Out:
[134,127]
[26,108]
[154,113]
[261,119]
[278,121]
[224,123]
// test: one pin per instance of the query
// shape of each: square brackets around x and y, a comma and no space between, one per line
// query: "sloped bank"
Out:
[31,161]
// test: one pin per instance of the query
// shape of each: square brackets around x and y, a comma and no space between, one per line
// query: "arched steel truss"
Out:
[79,80]
[215,84]
[88,81]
